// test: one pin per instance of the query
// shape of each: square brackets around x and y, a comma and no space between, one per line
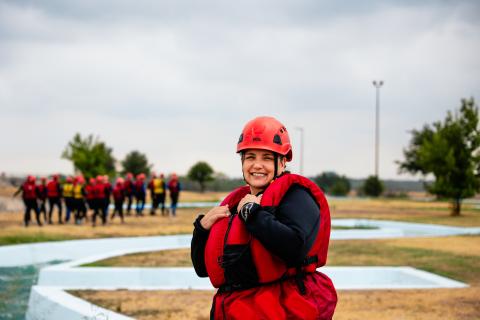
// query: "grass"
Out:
[455,264]
[33,237]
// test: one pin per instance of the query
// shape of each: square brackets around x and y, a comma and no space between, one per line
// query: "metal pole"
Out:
[301,149]
[377,85]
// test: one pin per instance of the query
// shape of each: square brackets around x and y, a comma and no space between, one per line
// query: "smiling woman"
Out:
[261,247]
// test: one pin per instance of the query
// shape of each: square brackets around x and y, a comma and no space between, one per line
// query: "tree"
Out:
[136,163]
[372,187]
[201,172]
[450,151]
[332,183]
[90,156]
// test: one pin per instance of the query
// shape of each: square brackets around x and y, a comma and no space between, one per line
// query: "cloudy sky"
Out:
[177,79]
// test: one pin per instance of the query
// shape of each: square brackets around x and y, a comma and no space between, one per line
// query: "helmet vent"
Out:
[277,139]
[241,138]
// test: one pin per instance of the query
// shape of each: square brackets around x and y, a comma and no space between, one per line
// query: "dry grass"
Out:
[404,210]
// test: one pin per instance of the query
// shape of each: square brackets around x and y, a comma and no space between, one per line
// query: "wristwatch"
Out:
[246,210]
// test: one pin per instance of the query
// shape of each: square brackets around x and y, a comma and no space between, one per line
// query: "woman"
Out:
[262,245]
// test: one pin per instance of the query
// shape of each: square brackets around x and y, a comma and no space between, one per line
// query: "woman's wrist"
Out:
[248,210]
[198,224]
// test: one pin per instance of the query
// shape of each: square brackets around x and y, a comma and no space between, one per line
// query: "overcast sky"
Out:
[177,80]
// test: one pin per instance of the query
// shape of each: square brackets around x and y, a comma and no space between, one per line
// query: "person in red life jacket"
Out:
[261,247]
[108,192]
[162,193]
[90,196]
[42,198]
[118,198]
[152,194]
[67,193]
[174,187]
[128,187]
[54,192]
[29,196]
[140,193]
[100,200]
[79,199]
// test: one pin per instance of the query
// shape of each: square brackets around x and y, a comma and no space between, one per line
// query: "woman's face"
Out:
[259,168]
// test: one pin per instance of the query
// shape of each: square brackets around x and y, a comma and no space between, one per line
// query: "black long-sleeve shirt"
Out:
[289,233]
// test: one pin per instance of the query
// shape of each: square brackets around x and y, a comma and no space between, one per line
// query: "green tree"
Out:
[201,172]
[136,163]
[448,150]
[90,156]
[332,183]
[373,187]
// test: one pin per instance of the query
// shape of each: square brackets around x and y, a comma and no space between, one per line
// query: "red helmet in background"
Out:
[129,176]
[80,179]
[69,179]
[119,180]
[100,178]
[30,179]
[91,180]
[266,133]
[141,176]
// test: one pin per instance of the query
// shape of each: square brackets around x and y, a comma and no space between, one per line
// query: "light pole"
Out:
[301,149]
[377,85]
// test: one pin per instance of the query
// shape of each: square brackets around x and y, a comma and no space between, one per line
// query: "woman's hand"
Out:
[248,198]
[213,215]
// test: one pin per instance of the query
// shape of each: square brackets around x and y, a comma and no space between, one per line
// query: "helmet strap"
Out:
[275,159]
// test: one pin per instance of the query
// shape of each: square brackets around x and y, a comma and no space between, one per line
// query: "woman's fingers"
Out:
[213,215]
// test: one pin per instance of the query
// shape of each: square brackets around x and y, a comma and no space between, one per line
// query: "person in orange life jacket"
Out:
[140,193]
[100,199]
[128,187]
[261,247]
[174,187]
[54,192]
[42,197]
[108,193]
[79,199]
[67,193]
[29,196]
[118,198]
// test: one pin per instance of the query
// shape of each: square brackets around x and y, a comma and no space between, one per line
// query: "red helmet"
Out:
[92,180]
[266,133]
[129,176]
[31,179]
[100,178]
[119,180]
[69,179]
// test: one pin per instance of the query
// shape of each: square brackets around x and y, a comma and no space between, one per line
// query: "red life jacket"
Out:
[42,191]
[269,267]
[53,189]
[29,191]
[100,191]
[90,192]
[118,194]
[128,186]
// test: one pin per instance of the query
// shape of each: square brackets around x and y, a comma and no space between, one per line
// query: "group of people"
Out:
[78,197]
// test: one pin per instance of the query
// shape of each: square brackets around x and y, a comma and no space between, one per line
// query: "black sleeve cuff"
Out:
[198,225]
[248,210]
